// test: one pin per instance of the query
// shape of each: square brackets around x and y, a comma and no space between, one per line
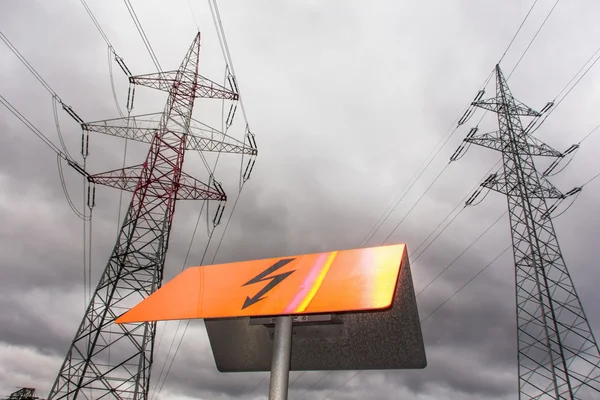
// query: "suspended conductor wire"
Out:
[402,194]
[533,39]
[55,98]
[342,384]
[462,202]
[590,180]
[187,324]
[258,384]
[416,176]
[595,57]
[433,312]
[414,205]
[157,393]
[32,128]
[432,281]
[596,54]
[27,65]
[313,385]
[225,48]
[142,33]
[97,24]
[518,30]
[466,283]
[589,134]
[463,252]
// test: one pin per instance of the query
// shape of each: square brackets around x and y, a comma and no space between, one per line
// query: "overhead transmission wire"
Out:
[595,57]
[32,128]
[416,176]
[65,155]
[142,33]
[518,30]
[462,201]
[534,36]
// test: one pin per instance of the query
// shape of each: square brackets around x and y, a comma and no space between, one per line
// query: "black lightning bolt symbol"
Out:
[263,276]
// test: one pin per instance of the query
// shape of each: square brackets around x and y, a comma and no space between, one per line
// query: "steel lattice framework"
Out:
[107,360]
[23,394]
[558,357]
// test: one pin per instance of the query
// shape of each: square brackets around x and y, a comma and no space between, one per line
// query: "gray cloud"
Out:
[346,101]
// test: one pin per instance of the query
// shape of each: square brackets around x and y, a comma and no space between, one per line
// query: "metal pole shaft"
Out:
[280,364]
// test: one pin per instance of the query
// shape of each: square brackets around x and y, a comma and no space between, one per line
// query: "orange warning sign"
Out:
[348,280]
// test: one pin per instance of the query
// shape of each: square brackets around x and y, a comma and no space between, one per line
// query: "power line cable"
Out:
[462,202]
[225,48]
[463,253]
[518,30]
[589,134]
[590,180]
[417,175]
[32,128]
[180,322]
[29,66]
[258,384]
[97,24]
[55,97]
[431,313]
[465,284]
[557,102]
[533,39]
[142,33]
[414,205]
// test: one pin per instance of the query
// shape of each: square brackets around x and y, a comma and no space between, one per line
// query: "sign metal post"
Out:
[280,364]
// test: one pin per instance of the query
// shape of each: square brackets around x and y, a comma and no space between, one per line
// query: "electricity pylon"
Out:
[558,357]
[111,361]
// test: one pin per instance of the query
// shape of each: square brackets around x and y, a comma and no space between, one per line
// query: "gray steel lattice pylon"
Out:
[112,361]
[558,357]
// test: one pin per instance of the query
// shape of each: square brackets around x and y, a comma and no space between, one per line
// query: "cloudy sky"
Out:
[346,99]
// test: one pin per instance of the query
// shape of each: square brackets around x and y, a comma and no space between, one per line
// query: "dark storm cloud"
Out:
[346,102]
